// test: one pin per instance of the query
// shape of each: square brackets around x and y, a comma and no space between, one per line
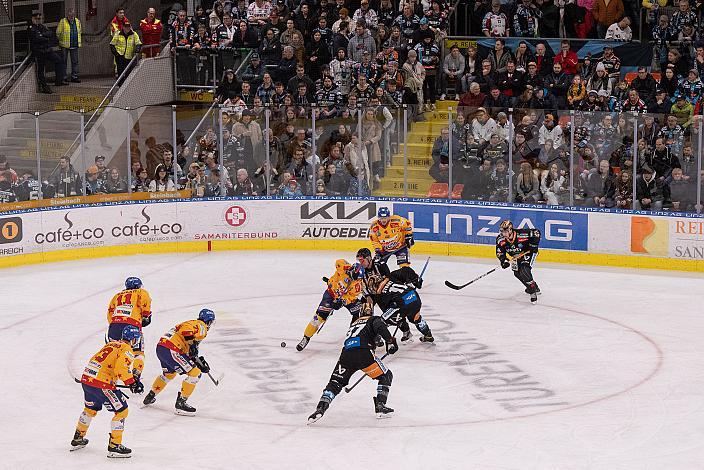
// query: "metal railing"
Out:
[15,75]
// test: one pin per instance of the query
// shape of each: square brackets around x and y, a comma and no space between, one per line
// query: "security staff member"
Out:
[45,48]
[125,45]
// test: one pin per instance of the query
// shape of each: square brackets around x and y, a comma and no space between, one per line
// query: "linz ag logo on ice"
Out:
[10,230]
[236,216]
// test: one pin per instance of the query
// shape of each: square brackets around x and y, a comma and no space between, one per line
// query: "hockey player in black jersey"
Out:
[357,355]
[518,248]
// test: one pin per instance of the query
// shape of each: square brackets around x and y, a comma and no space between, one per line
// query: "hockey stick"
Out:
[216,382]
[456,287]
[349,389]
[424,267]
[78,381]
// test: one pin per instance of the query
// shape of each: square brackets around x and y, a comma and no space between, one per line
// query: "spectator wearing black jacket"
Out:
[651,192]
[557,84]
[645,85]
[486,78]
[496,101]
[254,73]
[662,160]
[229,87]
[287,66]
[245,37]
[511,82]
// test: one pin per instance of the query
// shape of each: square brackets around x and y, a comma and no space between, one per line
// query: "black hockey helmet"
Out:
[364,253]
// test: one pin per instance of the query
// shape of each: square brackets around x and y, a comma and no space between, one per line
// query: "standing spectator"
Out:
[525,20]
[683,16]
[152,29]
[495,22]
[567,58]
[45,48]
[125,45]
[429,57]
[557,84]
[551,19]
[414,77]
[287,66]
[606,13]
[118,21]
[65,180]
[359,43]
[367,14]
[69,33]
[620,31]
[258,13]
[499,56]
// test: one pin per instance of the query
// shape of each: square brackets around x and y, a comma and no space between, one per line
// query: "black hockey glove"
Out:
[193,350]
[409,240]
[137,386]
[325,279]
[391,346]
[146,321]
[337,304]
[418,283]
[505,264]
[202,364]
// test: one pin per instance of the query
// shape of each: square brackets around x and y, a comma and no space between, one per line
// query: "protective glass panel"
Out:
[19,148]
[63,164]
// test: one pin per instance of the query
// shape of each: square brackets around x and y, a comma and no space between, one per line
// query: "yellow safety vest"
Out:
[126,45]
[63,32]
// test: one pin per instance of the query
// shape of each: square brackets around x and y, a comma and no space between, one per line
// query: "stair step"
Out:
[421,138]
[443,105]
[399,193]
[43,133]
[413,161]
[417,150]
[428,128]
[420,185]
[414,172]
[20,142]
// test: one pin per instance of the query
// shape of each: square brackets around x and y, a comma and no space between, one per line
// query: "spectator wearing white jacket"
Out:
[550,131]
[483,126]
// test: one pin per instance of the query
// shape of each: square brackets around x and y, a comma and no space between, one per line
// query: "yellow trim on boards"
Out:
[431,248]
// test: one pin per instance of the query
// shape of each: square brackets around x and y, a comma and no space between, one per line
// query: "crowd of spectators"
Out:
[345,59]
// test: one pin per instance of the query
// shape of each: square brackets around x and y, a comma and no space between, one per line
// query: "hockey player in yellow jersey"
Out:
[131,306]
[343,289]
[111,364]
[391,235]
[178,353]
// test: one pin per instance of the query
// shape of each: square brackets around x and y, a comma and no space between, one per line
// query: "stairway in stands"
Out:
[421,136]
[57,129]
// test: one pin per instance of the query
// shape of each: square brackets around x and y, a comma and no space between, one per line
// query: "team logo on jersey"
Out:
[10,230]
[236,216]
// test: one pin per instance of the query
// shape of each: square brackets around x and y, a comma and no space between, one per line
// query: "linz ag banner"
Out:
[480,225]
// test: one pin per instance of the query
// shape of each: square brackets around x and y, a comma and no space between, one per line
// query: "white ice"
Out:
[605,372]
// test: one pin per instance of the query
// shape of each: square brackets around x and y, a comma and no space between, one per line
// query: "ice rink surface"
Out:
[605,372]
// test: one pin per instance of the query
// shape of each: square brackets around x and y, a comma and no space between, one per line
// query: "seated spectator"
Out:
[93,184]
[527,185]
[683,111]
[453,70]
[620,31]
[474,98]
[141,183]
[692,88]
[557,84]
[115,184]
[553,185]
[623,193]
[600,187]
[290,188]
[645,85]
[683,194]
[495,150]
[499,182]
[567,58]
[576,93]
[651,193]
[496,101]
[633,104]
[195,180]
[483,126]
[242,185]
[161,181]
[550,131]
[228,88]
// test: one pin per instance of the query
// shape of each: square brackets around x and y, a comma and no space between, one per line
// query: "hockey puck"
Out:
[283,344]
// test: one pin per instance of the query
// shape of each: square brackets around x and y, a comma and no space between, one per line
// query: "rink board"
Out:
[599,237]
